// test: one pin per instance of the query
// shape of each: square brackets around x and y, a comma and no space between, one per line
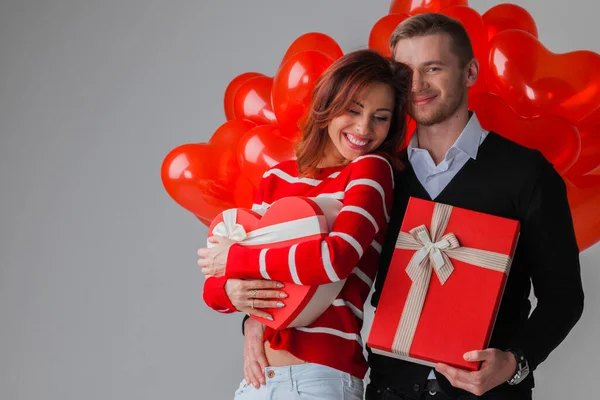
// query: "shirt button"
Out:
[271,374]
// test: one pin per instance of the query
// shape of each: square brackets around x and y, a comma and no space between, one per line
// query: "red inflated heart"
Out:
[586,167]
[188,174]
[379,38]
[314,41]
[584,208]
[508,16]
[423,6]
[230,133]
[555,137]
[411,127]
[225,141]
[244,193]
[536,82]
[252,101]
[262,148]
[287,221]
[294,84]
[231,90]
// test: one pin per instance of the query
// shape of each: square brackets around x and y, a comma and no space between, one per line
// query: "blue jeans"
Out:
[304,381]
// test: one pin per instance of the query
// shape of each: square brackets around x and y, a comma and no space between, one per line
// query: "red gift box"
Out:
[444,285]
[287,221]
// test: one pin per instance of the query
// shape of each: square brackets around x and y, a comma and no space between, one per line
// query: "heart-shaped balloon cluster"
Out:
[537,98]
[542,100]
[263,116]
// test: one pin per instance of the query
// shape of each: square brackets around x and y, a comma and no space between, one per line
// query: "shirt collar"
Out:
[468,141]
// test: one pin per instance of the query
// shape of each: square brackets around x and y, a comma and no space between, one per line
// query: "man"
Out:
[454,161]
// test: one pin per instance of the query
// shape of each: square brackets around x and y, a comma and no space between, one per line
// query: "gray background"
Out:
[100,297]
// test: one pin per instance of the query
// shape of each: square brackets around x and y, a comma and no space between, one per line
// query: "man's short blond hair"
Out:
[431,24]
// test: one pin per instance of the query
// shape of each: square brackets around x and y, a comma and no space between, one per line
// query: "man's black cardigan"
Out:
[510,181]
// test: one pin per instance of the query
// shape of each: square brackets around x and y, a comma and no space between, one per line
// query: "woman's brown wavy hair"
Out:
[337,88]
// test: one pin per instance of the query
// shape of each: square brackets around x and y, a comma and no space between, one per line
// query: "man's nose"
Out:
[418,83]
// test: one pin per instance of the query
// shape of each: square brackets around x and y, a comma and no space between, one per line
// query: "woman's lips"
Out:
[355,142]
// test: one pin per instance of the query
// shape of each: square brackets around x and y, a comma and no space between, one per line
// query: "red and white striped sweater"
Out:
[351,250]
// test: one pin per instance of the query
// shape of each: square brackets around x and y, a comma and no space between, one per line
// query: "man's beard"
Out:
[442,113]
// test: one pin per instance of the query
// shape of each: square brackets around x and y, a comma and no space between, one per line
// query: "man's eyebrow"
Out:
[432,62]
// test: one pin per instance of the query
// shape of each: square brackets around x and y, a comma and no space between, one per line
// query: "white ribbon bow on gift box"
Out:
[435,251]
[229,228]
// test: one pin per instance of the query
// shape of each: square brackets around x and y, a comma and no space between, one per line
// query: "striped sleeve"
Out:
[214,294]
[368,192]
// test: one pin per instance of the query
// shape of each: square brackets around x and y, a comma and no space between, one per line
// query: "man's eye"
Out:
[433,69]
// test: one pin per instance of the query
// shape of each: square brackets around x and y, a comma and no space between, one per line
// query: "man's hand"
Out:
[255,360]
[251,295]
[496,368]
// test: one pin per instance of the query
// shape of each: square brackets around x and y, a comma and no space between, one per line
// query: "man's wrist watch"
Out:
[522,367]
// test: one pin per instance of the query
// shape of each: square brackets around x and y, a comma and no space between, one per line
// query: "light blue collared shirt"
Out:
[435,178]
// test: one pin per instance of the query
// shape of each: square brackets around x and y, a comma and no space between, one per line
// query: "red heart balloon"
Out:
[188,174]
[423,6]
[294,84]
[290,132]
[225,141]
[477,32]
[411,127]
[555,137]
[205,221]
[262,148]
[508,16]
[536,82]
[314,41]
[244,193]
[230,92]
[379,38]
[586,218]
[230,133]
[252,101]
[587,167]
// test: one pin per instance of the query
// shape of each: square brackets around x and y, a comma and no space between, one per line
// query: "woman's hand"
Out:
[214,260]
[250,295]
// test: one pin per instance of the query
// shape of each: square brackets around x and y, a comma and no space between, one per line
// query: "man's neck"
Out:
[437,139]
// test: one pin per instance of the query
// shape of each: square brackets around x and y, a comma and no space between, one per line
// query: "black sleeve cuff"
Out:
[244,322]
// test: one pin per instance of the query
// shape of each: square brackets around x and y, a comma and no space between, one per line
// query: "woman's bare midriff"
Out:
[280,358]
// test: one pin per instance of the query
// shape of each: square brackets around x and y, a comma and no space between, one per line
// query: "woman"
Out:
[353,132]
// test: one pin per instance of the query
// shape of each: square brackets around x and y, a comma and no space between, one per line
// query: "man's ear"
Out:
[472,72]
